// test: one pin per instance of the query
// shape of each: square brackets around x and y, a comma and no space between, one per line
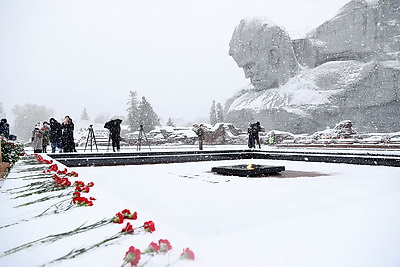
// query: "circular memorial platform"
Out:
[250,170]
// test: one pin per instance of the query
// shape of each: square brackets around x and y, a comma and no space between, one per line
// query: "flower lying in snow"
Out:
[132,256]
[125,214]
[82,201]
[128,215]
[153,247]
[149,226]
[187,254]
[162,247]
[118,218]
[128,229]
[164,244]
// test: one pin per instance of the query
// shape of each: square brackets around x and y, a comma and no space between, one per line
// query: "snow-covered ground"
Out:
[314,214]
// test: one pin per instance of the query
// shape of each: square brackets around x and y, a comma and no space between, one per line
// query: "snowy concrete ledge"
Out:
[141,158]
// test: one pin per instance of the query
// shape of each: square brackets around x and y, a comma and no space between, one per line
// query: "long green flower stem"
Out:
[55,237]
[21,187]
[76,252]
[45,190]
[28,187]
[44,199]
[38,175]
[58,208]
[31,169]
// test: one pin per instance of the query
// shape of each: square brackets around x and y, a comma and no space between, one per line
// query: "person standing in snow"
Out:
[4,128]
[200,133]
[55,135]
[255,132]
[67,138]
[250,142]
[115,132]
[37,139]
[46,136]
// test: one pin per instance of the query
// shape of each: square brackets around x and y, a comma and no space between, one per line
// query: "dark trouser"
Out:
[200,144]
[251,141]
[115,143]
[55,145]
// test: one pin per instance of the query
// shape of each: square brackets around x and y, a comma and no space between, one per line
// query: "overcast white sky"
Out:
[71,54]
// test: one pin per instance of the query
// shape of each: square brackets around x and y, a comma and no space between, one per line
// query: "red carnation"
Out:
[79,183]
[118,218]
[85,189]
[132,256]
[128,215]
[153,247]
[149,226]
[187,254]
[165,246]
[90,184]
[128,228]
[53,168]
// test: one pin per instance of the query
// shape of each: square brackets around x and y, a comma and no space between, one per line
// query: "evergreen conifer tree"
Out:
[170,122]
[147,117]
[133,111]
[220,113]
[84,115]
[213,114]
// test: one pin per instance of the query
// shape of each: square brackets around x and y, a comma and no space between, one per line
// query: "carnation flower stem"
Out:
[32,187]
[57,210]
[76,252]
[55,237]
[45,190]
[44,199]
[21,187]
[32,169]
[39,175]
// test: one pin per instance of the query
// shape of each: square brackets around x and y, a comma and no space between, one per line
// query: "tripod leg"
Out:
[94,138]
[87,139]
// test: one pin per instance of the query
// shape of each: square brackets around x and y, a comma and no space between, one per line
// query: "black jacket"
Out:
[55,132]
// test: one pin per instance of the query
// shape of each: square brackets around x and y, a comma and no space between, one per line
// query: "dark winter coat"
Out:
[46,135]
[115,132]
[115,129]
[55,132]
[4,129]
[67,138]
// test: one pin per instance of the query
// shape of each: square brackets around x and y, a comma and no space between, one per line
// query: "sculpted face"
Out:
[264,52]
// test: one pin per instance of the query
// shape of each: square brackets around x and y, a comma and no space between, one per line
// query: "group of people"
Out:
[253,130]
[59,135]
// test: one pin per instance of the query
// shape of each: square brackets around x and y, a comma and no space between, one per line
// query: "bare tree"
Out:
[26,117]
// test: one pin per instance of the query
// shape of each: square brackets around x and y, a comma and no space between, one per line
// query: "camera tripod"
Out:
[142,135]
[91,138]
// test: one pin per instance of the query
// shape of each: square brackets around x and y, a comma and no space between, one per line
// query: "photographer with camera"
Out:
[115,132]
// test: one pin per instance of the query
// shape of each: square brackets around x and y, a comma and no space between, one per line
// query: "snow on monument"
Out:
[348,68]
